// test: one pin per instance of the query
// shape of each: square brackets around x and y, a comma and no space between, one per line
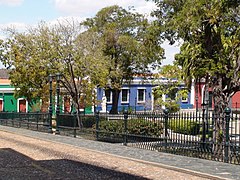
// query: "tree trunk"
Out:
[221,101]
[115,93]
[79,119]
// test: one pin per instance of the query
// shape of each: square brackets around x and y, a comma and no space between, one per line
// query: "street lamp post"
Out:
[50,103]
[58,78]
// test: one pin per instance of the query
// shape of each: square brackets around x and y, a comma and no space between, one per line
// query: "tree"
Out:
[130,45]
[27,58]
[170,86]
[44,50]
[210,33]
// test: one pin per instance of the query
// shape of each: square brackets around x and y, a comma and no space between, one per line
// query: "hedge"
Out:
[184,126]
[134,126]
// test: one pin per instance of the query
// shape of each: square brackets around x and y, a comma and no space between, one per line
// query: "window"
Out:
[108,94]
[125,95]
[141,95]
[184,99]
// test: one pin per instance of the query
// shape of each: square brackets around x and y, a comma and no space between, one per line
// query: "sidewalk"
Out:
[194,166]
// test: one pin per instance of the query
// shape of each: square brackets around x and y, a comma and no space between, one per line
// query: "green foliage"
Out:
[188,127]
[115,126]
[43,50]
[36,106]
[172,106]
[88,121]
[70,120]
[210,51]
[210,33]
[129,45]
[209,134]
[145,128]
[171,87]
[134,127]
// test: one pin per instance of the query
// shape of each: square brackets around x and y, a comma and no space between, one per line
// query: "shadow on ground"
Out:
[14,165]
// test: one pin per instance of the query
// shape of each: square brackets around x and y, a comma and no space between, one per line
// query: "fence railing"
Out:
[187,133]
[34,121]
[68,124]
[190,134]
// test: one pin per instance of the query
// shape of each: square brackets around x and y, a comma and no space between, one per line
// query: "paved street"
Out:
[27,154]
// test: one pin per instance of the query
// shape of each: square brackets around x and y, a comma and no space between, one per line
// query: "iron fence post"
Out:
[227,119]
[166,115]
[125,127]
[12,122]
[97,125]
[37,119]
[28,121]
[74,125]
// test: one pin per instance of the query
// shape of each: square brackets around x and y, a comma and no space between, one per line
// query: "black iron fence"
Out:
[186,133]
[68,124]
[34,121]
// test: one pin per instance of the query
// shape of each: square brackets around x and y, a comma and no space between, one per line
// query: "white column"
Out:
[94,96]
[164,99]
[152,95]
[192,100]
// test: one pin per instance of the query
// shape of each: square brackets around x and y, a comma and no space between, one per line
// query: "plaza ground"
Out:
[29,154]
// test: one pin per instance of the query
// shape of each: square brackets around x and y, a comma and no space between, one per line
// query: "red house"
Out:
[199,89]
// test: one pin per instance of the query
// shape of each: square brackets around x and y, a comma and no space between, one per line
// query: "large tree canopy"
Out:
[130,45]
[211,41]
[49,49]
[210,33]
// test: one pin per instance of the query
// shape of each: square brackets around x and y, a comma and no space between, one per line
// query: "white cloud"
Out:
[90,8]
[11,2]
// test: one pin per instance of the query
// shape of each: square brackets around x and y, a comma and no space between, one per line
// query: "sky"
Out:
[24,13]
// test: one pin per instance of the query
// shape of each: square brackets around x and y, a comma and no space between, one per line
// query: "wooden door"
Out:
[1,105]
[22,105]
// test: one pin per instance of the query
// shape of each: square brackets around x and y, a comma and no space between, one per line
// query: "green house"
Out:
[7,100]
[11,104]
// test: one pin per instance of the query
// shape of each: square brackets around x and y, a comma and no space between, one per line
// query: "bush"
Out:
[68,120]
[134,127]
[183,126]
[209,133]
[146,128]
[88,121]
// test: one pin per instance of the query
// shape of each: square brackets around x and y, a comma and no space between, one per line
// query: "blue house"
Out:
[137,97]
